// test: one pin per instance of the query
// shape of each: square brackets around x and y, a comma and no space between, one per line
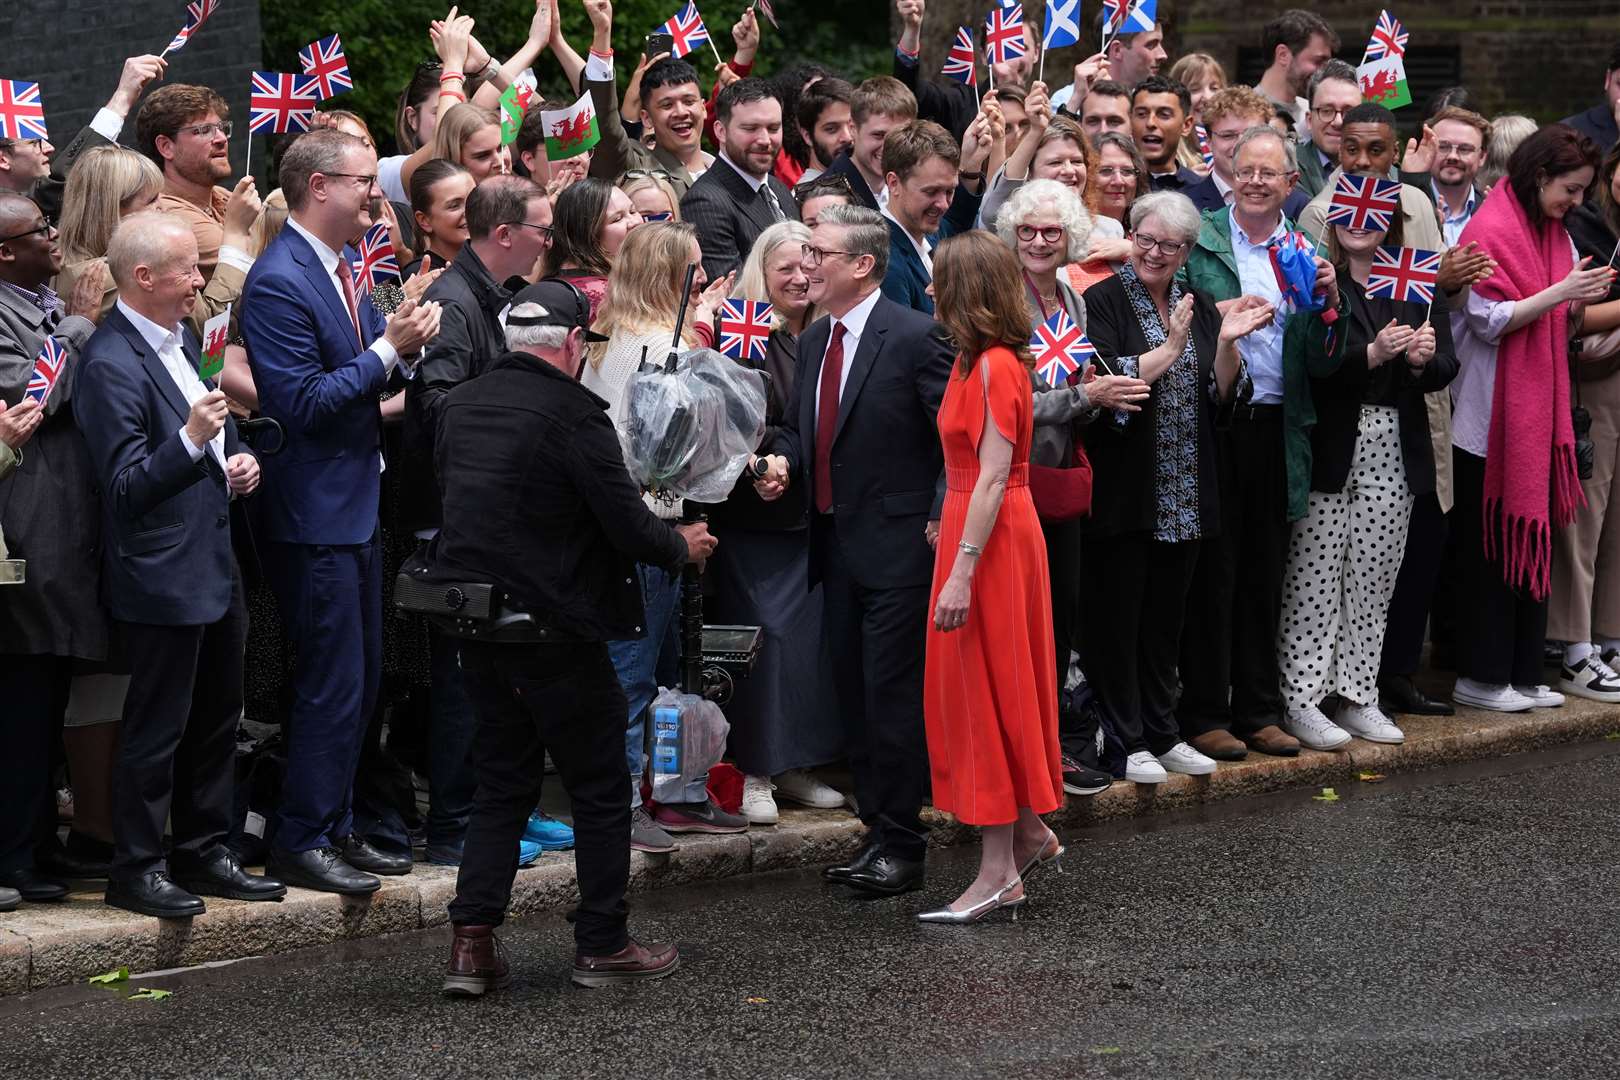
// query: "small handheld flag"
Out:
[1004,34]
[324,62]
[745,329]
[959,62]
[216,331]
[687,30]
[279,103]
[1062,24]
[767,10]
[1060,348]
[1293,262]
[514,103]
[572,131]
[1403,273]
[1364,202]
[1383,82]
[1205,151]
[22,114]
[378,265]
[1388,38]
[657,215]
[197,13]
[48,367]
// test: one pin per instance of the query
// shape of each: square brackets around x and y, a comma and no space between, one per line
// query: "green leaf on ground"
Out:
[1105,1049]
[1328,795]
[1613,735]
[150,993]
[110,977]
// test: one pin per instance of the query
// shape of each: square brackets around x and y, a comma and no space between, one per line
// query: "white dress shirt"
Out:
[166,343]
[1261,350]
[854,324]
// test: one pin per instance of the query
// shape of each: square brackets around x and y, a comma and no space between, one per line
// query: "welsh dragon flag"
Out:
[1383,82]
[514,102]
[571,131]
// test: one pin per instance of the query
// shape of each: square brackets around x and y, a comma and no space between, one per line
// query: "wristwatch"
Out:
[760,468]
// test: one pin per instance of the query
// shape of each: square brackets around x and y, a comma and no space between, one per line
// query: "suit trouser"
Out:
[177,740]
[1416,589]
[1229,645]
[876,640]
[1585,599]
[33,693]
[1063,558]
[1500,631]
[330,599]
[530,699]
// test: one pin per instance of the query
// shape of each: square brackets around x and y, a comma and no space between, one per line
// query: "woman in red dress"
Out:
[990,691]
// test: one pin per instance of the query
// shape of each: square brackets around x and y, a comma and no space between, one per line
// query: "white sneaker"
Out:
[1311,726]
[1367,722]
[757,805]
[1542,695]
[797,785]
[1182,758]
[1592,678]
[1496,698]
[1143,768]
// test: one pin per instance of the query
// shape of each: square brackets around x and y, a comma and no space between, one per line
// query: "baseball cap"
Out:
[561,303]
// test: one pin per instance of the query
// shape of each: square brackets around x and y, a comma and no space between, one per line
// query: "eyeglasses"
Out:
[1328,113]
[8,144]
[1145,243]
[815,255]
[547,229]
[1265,176]
[1050,233]
[47,227]
[825,184]
[645,174]
[1461,149]
[207,131]
[1118,172]
[368,179]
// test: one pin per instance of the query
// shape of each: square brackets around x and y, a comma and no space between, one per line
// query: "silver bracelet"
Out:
[971,549]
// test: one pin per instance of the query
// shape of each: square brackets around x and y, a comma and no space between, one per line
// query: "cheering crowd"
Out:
[1114,429]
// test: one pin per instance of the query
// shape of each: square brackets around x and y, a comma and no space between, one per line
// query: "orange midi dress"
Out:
[989,688]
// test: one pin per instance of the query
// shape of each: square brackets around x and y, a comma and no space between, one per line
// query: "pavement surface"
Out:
[1457,922]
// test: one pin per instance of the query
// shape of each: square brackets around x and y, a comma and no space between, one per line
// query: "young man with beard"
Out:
[825,123]
[1131,57]
[934,192]
[1296,43]
[186,130]
[739,198]
[1461,137]
[672,108]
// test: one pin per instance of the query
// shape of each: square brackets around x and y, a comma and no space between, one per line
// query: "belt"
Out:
[1251,413]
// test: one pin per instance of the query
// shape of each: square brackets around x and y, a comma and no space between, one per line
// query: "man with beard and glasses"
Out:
[825,123]
[1461,137]
[737,199]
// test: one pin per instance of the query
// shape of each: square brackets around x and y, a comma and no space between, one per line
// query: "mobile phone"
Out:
[659,43]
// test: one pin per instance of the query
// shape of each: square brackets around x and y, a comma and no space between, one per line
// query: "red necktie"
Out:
[832,378]
[345,275]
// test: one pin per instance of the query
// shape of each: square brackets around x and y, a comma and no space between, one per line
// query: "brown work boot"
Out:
[1273,740]
[477,963]
[631,963]
[1219,744]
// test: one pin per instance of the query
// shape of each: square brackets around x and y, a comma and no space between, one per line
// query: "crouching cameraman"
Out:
[537,502]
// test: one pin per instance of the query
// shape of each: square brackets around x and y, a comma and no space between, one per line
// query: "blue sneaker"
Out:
[548,832]
[528,852]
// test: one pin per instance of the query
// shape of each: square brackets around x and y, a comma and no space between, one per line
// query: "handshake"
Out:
[774,481]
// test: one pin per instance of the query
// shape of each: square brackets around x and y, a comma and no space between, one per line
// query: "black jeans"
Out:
[530,699]
[36,692]
[1415,588]
[1500,631]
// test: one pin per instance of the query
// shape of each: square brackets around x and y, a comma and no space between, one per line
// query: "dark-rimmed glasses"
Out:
[547,229]
[814,255]
[1145,243]
[47,227]
[1050,233]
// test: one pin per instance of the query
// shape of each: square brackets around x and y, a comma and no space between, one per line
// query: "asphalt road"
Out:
[1447,924]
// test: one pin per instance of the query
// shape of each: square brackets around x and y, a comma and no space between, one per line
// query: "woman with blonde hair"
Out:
[467,135]
[651,194]
[1203,76]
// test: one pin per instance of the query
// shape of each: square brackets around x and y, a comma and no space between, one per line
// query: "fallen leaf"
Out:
[1328,795]
[759,1001]
[110,977]
[1371,777]
[1613,735]
[1105,1049]
[150,993]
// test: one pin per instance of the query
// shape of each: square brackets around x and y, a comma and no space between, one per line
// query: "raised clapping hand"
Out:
[1391,341]
[1419,156]
[1461,267]
[242,474]
[1244,318]
[1181,320]
[425,275]
[412,326]
[774,483]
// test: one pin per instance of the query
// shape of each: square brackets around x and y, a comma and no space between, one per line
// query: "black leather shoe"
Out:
[888,875]
[224,876]
[861,861]
[358,853]
[321,869]
[82,857]
[35,887]
[153,894]
[1398,694]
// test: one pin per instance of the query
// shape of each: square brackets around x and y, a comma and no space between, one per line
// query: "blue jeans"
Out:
[643,664]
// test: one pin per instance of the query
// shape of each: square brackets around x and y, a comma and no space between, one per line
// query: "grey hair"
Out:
[320,151]
[1266,131]
[148,238]
[534,337]
[1172,208]
[1037,195]
[867,231]
[1336,70]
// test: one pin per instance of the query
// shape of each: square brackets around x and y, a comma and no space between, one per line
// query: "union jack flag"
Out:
[22,115]
[745,328]
[1403,273]
[280,103]
[959,62]
[377,264]
[687,29]
[1004,34]
[324,62]
[48,367]
[1204,149]
[197,13]
[1364,202]
[1388,38]
[1060,348]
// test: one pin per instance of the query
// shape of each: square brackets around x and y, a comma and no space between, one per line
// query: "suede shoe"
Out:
[1220,745]
[477,963]
[153,894]
[359,853]
[224,876]
[1272,740]
[632,963]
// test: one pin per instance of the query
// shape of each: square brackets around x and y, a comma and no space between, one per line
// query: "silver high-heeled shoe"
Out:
[1041,858]
[973,914]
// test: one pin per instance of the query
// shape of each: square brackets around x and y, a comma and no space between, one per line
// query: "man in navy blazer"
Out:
[320,357]
[167,462]
[860,436]
[930,198]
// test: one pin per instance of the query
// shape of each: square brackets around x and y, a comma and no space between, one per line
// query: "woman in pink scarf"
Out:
[1513,444]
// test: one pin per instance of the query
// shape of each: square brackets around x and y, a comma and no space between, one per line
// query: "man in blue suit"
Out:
[320,357]
[167,463]
[934,191]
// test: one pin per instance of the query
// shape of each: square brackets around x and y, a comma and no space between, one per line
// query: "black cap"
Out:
[561,303]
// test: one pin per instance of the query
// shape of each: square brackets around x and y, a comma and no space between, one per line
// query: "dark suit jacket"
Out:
[313,377]
[729,215]
[48,189]
[1180,180]
[886,457]
[1597,124]
[907,279]
[1206,196]
[845,166]
[166,551]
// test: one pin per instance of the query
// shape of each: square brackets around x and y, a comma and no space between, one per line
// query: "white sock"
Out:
[1576,651]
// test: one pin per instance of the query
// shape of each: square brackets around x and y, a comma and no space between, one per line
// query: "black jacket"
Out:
[1597,124]
[950,104]
[745,509]
[470,337]
[845,166]
[537,500]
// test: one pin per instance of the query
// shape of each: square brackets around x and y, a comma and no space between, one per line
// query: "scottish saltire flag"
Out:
[1364,202]
[1060,348]
[279,103]
[1062,24]
[1388,38]
[1403,273]
[48,367]
[197,13]
[1128,17]
[1004,34]
[745,328]
[324,62]
[959,62]
[686,27]
[1205,151]
[377,264]
[22,114]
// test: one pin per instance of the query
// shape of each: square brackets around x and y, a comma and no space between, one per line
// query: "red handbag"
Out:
[1062,494]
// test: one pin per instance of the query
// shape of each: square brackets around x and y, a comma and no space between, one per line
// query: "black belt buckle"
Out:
[1250,412]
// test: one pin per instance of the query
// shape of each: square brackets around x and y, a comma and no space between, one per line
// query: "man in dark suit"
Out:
[860,437]
[320,358]
[169,576]
[738,198]
[1598,123]
[935,188]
